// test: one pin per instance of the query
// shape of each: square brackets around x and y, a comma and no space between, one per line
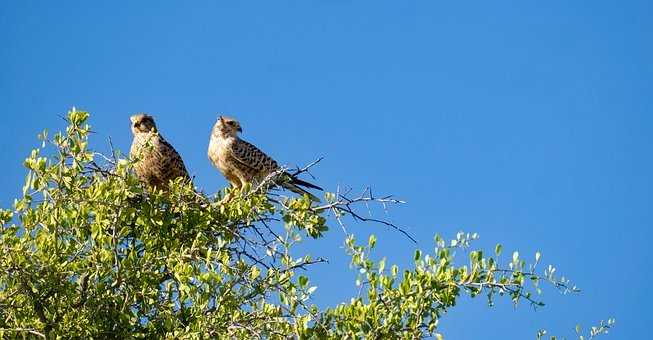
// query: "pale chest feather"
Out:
[219,152]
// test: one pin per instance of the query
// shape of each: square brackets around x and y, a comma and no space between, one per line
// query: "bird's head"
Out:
[142,123]
[227,127]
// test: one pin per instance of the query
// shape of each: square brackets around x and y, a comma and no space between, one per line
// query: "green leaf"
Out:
[254,273]
[497,249]
[303,281]
[372,241]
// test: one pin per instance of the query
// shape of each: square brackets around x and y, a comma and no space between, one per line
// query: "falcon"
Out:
[241,162]
[156,161]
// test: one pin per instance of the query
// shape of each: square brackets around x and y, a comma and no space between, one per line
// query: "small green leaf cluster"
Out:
[595,331]
[298,213]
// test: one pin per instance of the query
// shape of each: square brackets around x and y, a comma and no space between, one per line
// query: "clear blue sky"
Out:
[529,122]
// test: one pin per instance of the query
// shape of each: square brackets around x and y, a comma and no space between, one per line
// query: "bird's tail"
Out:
[296,189]
[297,181]
[294,184]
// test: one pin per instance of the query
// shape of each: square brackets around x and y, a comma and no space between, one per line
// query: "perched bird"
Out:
[241,162]
[157,162]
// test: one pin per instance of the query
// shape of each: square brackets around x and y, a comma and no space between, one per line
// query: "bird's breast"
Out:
[218,152]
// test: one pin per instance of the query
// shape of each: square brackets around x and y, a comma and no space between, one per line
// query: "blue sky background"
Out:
[528,122]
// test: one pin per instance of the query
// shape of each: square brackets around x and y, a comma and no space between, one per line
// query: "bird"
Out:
[241,162]
[156,162]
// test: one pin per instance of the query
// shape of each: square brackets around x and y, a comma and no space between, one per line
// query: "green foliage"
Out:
[595,331]
[410,305]
[90,253]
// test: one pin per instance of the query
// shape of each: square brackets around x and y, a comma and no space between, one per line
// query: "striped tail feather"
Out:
[296,189]
[297,181]
[295,185]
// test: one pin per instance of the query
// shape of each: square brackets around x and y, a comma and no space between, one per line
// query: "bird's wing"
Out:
[251,157]
[172,160]
[257,161]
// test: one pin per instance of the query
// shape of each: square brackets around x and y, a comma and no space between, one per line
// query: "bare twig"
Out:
[24,330]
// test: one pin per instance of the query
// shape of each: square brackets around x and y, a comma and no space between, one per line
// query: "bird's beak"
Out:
[240,129]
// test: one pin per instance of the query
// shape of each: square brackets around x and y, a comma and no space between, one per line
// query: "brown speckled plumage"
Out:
[157,162]
[241,162]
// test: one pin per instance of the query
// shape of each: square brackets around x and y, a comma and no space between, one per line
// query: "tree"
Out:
[89,252]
